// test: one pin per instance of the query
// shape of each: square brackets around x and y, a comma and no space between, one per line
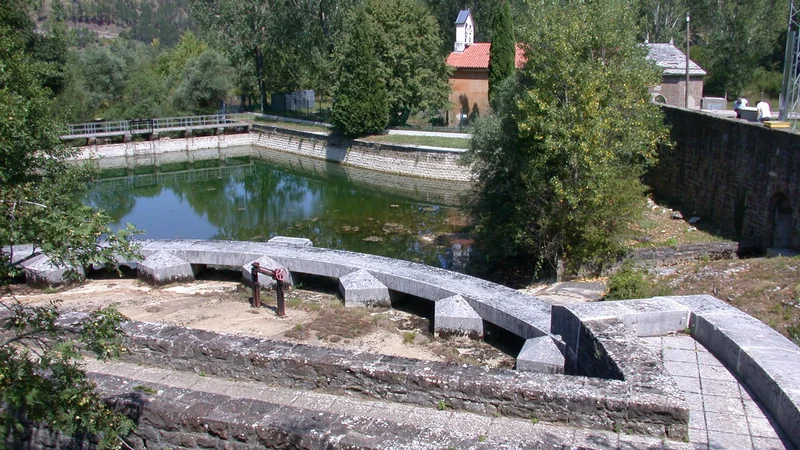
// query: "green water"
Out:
[256,200]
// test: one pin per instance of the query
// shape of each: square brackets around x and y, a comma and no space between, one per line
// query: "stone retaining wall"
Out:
[682,254]
[731,172]
[444,192]
[423,162]
[389,158]
[580,401]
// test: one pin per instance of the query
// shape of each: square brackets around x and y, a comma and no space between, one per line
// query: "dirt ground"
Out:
[662,226]
[313,317]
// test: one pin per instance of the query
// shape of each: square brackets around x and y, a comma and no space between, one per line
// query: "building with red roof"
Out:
[470,79]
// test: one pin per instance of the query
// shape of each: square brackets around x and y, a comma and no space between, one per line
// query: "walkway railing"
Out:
[147,126]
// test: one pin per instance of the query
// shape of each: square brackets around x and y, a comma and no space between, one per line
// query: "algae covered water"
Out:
[254,200]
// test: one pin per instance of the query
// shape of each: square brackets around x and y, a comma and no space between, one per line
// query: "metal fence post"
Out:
[256,287]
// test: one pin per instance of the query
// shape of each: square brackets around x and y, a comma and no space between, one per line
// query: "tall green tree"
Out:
[732,37]
[407,45]
[558,168]
[361,104]
[206,83]
[504,47]
[41,382]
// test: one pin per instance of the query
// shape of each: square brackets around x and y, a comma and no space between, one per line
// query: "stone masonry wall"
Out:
[397,159]
[587,402]
[730,172]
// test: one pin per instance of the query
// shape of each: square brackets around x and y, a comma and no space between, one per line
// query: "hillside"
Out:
[143,20]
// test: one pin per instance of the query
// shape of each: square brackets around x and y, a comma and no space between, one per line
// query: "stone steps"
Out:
[181,409]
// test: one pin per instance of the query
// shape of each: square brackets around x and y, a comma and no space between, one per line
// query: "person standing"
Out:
[740,103]
[764,112]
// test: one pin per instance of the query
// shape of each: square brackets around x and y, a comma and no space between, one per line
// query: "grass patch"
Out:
[293,126]
[145,389]
[633,282]
[430,141]
[345,323]
[766,288]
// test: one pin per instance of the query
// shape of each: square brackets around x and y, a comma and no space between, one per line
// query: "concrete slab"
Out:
[291,241]
[264,280]
[40,271]
[540,355]
[454,316]
[165,267]
[360,288]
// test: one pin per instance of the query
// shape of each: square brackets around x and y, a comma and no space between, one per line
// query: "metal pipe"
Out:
[256,287]
[686,91]
[279,275]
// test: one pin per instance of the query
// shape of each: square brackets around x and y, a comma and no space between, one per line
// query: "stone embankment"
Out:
[415,161]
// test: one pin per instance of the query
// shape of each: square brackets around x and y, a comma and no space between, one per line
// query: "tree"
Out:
[407,46]
[663,20]
[205,84]
[732,37]
[361,104]
[281,41]
[504,48]
[40,379]
[558,169]
[104,72]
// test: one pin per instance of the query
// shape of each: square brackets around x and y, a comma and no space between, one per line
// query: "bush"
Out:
[633,282]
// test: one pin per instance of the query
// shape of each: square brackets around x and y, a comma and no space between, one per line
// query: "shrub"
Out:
[632,282]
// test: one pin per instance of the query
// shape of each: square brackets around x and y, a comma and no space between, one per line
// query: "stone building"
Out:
[673,83]
[470,79]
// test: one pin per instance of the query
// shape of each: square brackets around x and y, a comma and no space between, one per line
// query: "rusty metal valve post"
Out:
[279,275]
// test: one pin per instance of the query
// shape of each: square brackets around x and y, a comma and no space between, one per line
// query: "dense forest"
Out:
[261,47]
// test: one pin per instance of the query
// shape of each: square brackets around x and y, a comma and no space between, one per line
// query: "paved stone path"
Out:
[723,414]
[428,427]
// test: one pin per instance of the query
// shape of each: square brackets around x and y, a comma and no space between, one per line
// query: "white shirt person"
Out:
[764,112]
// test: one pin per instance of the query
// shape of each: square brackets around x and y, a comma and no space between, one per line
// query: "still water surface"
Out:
[255,200]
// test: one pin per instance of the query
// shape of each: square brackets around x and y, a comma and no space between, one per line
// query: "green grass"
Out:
[430,141]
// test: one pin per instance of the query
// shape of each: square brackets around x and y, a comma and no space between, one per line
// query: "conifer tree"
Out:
[503,51]
[360,101]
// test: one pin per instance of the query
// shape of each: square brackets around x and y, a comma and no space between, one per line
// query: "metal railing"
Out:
[141,126]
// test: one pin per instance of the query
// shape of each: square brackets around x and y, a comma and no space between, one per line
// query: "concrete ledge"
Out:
[360,288]
[291,241]
[40,271]
[454,316]
[540,355]
[164,267]
[516,312]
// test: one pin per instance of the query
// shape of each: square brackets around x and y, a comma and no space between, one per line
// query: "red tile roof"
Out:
[476,56]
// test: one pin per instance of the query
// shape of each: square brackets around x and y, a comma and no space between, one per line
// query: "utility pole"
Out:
[686,91]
